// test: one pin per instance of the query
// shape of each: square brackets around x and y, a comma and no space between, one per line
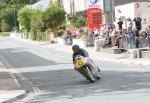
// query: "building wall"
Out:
[73,6]
[142,11]
[79,5]
[121,2]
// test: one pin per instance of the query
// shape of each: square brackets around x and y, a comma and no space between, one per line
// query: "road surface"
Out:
[49,76]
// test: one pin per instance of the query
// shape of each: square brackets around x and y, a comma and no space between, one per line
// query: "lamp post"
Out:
[14,17]
[14,13]
[109,11]
[30,3]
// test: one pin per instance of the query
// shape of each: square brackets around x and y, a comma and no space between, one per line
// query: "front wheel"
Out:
[87,73]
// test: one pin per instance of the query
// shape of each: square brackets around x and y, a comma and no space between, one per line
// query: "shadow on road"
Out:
[69,84]
[19,58]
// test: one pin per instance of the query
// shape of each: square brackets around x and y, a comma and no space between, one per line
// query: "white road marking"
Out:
[13,70]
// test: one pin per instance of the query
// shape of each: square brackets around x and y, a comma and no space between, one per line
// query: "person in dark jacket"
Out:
[120,23]
[78,51]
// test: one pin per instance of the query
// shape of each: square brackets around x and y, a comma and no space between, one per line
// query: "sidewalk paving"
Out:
[121,58]
[10,90]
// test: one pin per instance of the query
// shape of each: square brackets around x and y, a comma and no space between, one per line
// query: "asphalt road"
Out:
[49,76]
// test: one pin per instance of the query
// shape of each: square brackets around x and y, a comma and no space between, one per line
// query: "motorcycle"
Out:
[91,74]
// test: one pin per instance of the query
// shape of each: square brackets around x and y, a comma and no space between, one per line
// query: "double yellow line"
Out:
[21,76]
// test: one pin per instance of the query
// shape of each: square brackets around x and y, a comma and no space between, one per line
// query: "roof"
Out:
[42,4]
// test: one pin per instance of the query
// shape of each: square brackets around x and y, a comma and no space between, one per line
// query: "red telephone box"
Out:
[94,18]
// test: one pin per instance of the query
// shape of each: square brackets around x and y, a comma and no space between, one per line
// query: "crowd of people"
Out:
[129,37]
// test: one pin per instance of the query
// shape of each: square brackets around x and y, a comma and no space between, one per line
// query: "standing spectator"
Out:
[131,38]
[120,23]
[147,38]
[102,30]
[149,24]
[68,37]
[112,35]
[96,33]
[129,23]
[126,39]
[117,36]
[136,38]
[108,38]
[141,39]
[138,21]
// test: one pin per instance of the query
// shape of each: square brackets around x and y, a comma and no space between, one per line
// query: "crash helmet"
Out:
[75,48]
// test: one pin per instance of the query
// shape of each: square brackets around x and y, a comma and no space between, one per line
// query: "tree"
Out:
[24,18]
[4,26]
[54,16]
[36,24]
[77,21]
[9,9]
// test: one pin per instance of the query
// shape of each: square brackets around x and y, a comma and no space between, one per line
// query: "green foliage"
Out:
[77,21]
[9,9]
[4,33]
[24,18]
[49,30]
[60,32]
[54,16]
[36,24]
[0,26]
[61,29]
[4,26]
[83,36]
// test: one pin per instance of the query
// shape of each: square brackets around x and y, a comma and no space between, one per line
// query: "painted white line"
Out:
[13,70]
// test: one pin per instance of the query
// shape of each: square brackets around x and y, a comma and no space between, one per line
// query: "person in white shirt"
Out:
[129,23]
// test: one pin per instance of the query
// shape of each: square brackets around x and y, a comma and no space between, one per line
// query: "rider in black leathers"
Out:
[78,51]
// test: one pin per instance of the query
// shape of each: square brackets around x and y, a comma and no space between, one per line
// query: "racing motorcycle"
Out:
[91,74]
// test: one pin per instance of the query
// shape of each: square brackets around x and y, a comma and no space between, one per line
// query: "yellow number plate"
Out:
[80,63]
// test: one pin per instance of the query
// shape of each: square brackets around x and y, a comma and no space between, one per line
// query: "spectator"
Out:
[131,38]
[147,37]
[129,23]
[141,39]
[137,21]
[96,33]
[120,23]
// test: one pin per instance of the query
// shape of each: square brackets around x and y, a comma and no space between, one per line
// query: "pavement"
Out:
[49,70]
[121,58]
[9,84]
[10,89]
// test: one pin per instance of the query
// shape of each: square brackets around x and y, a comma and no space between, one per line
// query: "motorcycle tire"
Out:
[87,73]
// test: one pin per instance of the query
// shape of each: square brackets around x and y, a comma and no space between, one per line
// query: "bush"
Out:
[33,35]
[83,36]
[60,32]
[36,25]
[4,26]
[54,16]
[77,21]
[24,17]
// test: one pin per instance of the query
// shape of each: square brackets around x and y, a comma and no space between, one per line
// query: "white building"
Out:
[42,4]
[132,10]
[78,5]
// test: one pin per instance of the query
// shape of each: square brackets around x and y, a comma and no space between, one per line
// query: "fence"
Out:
[4,33]
[43,36]
[123,42]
